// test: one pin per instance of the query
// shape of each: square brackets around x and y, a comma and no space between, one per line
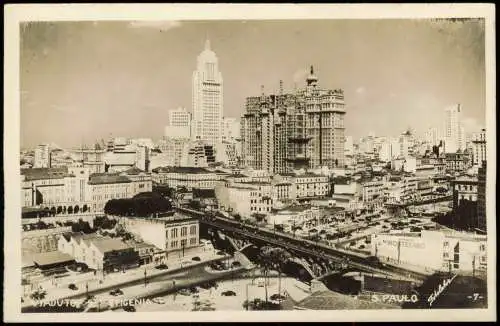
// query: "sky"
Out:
[84,81]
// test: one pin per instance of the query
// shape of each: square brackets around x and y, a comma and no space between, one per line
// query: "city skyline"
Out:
[122,78]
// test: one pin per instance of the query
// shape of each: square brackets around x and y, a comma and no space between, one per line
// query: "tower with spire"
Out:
[207,98]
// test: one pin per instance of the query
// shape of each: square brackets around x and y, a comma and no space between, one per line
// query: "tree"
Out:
[273,258]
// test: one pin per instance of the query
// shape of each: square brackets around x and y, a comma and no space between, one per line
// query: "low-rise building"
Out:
[310,185]
[188,177]
[433,250]
[126,184]
[246,198]
[99,252]
[457,162]
[373,189]
[293,215]
[464,188]
[172,234]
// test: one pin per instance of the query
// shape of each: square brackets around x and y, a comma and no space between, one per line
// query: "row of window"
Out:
[183,243]
[184,231]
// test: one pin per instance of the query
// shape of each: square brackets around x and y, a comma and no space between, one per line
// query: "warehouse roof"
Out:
[51,258]
[104,178]
[45,173]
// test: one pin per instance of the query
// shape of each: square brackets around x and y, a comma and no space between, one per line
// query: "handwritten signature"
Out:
[435,294]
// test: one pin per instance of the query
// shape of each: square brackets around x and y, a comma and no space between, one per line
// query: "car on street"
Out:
[158,300]
[236,264]
[207,285]
[228,293]
[276,297]
[129,308]
[161,266]
[220,253]
[184,292]
[73,287]
[196,258]
[116,292]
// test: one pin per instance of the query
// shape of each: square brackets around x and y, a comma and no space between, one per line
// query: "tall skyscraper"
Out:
[433,136]
[42,156]
[207,98]
[454,137]
[231,129]
[179,124]
[349,146]
[305,129]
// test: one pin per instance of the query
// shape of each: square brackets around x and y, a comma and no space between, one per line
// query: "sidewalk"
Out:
[114,280]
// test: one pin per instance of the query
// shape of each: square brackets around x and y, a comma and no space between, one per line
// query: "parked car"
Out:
[228,293]
[116,292]
[73,287]
[220,253]
[207,285]
[236,264]
[184,292]
[194,289]
[161,266]
[277,297]
[196,258]
[129,308]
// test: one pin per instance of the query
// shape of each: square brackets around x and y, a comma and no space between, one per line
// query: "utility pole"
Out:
[473,266]
[145,277]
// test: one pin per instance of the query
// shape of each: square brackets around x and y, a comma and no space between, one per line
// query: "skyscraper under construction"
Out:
[304,129]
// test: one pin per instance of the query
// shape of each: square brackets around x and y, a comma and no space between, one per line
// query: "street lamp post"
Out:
[247,296]
[145,273]
[87,289]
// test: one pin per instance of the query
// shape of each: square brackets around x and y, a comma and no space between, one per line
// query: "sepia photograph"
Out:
[305,162]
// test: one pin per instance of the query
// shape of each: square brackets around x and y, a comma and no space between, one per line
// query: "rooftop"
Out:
[308,174]
[134,171]
[293,208]
[104,178]
[329,300]
[45,173]
[105,244]
[51,258]
[181,169]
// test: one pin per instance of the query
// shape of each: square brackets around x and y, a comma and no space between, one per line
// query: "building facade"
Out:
[432,250]
[479,148]
[174,233]
[107,186]
[481,198]
[179,124]
[454,136]
[189,177]
[42,156]
[305,129]
[98,252]
[207,98]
